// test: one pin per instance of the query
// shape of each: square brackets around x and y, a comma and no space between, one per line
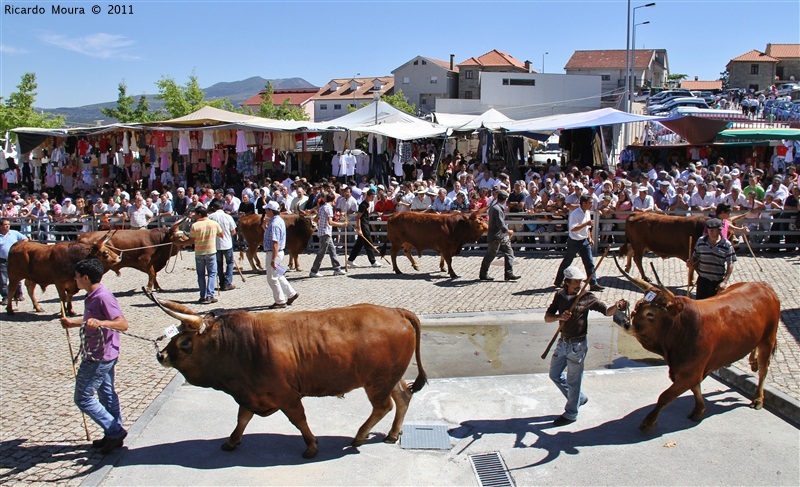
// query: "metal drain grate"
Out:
[424,437]
[490,470]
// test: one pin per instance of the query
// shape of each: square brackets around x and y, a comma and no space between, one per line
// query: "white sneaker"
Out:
[377,264]
[314,274]
[339,272]
[352,264]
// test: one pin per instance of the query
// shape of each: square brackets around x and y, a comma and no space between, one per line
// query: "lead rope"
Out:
[101,342]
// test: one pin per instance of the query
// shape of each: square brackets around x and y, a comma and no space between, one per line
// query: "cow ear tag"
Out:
[650,296]
[171,331]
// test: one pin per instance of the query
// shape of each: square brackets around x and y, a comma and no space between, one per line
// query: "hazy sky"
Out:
[80,59]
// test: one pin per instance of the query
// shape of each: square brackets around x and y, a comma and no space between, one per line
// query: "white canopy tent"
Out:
[391,122]
[593,118]
[490,119]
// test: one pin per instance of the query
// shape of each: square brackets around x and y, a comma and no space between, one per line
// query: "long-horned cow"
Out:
[698,337]
[445,233]
[269,361]
[43,264]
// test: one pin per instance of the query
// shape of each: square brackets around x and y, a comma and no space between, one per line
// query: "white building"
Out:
[529,95]
[423,80]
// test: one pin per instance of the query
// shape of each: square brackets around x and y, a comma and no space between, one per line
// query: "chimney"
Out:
[695,78]
[528,66]
[452,61]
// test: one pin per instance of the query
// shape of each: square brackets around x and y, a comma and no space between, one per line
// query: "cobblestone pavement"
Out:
[42,437]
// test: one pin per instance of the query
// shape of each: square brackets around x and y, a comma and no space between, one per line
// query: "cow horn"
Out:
[178,222]
[192,321]
[641,284]
[661,284]
[479,212]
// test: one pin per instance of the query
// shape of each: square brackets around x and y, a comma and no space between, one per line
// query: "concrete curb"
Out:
[95,478]
[775,401]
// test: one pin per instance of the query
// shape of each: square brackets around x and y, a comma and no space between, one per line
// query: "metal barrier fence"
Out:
[532,232]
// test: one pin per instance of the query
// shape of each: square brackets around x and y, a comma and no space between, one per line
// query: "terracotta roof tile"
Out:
[783,51]
[494,58]
[608,58]
[295,97]
[755,56]
[702,85]
[363,91]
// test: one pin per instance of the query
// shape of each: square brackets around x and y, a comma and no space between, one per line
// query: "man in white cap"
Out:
[274,243]
[566,365]
[579,242]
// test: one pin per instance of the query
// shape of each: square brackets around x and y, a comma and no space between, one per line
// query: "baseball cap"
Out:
[273,205]
[573,272]
[663,183]
[714,223]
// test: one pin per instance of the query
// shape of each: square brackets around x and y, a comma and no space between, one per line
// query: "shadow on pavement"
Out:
[256,450]
[18,457]
[622,431]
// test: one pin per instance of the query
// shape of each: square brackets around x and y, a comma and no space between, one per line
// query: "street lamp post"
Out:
[543,55]
[633,64]
[376,97]
[627,92]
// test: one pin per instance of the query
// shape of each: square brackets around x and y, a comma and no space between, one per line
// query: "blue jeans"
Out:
[566,371]
[3,278]
[98,377]
[226,278]
[206,274]
[577,247]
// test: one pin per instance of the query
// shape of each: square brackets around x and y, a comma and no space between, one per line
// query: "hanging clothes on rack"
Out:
[241,141]
[183,143]
[208,140]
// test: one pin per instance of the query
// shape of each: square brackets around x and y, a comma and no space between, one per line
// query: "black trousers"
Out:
[706,288]
[362,243]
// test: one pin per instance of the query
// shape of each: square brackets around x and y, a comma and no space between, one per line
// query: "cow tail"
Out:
[422,377]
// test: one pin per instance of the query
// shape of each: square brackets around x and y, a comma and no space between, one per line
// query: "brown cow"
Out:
[269,361]
[697,337]
[145,250]
[664,235]
[43,264]
[299,230]
[445,233]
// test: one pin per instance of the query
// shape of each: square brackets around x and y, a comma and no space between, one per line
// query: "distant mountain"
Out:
[235,91]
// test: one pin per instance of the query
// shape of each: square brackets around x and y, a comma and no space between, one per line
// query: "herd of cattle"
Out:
[268,361]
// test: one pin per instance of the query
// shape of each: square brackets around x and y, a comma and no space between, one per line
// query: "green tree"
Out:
[18,110]
[180,100]
[125,112]
[725,78]
[399,101]
[284,111]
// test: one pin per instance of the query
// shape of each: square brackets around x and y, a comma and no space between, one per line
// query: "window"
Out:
[434,79]
[416,63]
[406,80]
[423,101]
[754,69]
[468,95]
[468,74]
[351,105]
[606,77]
[337,107]
[324,106]
[424,62]
[519,82]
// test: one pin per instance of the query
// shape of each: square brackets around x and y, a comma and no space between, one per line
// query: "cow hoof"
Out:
[697,416]
[756,404]
[453,276]
[9,311]
[356,442]
[416,268]
[647,427]
[69,313]
[228,447]
[310,452]
[390,439]
[397,271]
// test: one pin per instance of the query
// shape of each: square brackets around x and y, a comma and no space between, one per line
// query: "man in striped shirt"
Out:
[713,259]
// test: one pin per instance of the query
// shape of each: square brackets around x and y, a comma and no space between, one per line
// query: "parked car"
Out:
[686,101]
[661,98]
[782,110]
[767,109]
[794,114]
[787,89]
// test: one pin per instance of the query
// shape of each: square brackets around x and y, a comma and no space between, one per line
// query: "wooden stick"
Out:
[240,270]
[377,252]
[74,370]
[345,240]
[577,298]
[690,272]
[747,241]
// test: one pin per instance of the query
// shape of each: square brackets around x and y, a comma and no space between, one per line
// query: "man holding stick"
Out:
[102,319]
[570,307]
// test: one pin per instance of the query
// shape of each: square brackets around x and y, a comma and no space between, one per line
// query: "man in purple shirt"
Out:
[102,319]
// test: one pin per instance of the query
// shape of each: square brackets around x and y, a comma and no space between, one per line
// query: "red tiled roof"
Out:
[363,91]
[296,97]
[608,58]
[444,64]
[755,56]
[783,51]
[493,58]
[702,85]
